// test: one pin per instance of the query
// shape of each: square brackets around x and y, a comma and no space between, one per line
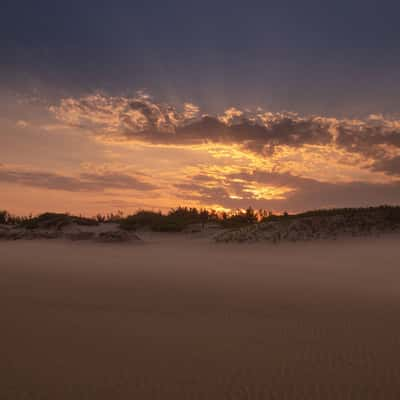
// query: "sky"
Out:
[125,105]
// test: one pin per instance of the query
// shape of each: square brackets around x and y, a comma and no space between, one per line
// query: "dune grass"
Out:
[178,219]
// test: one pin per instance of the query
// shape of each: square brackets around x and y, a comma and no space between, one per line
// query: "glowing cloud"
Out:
[139,118]
[160,155]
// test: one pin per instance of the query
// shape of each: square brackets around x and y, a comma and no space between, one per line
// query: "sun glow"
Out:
[268,192]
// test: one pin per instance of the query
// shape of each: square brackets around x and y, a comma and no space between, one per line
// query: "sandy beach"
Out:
[182,318]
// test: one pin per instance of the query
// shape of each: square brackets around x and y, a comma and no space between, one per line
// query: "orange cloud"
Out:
[156,155]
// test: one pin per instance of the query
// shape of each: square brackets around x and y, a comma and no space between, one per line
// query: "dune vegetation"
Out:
[179,219]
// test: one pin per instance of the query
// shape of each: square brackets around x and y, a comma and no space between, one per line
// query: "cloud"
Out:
[368,139]
[140,118]
[190,111]
[22,124]
[85,182]
[390,166]
[293,193]
[117,116]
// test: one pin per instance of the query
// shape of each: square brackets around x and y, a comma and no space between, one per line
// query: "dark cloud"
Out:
[367,140]
[114,180]
[372,141]
[142,119]
[251,135]
[254,136]
[390,166]
[84,183]
[204,193]
[305,194]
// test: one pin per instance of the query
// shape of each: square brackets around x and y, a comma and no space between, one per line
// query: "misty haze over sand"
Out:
[181,318]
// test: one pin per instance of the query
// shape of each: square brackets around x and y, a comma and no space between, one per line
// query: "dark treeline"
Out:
[177,219]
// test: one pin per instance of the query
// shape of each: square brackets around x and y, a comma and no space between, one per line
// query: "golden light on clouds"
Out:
[267,192]
[104,151]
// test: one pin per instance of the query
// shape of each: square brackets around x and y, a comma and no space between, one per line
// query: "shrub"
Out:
[175,221]
[111,217]
[240,219]
[4,217]
[55,220]
[140,220]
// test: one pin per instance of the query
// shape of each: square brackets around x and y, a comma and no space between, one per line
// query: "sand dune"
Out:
[182,318]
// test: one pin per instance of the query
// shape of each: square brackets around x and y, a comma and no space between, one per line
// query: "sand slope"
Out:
[185,319]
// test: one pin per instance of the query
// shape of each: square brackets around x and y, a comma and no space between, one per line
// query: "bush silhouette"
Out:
[55,220]
[3,217]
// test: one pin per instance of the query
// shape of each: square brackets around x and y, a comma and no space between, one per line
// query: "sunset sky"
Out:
[281,105]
